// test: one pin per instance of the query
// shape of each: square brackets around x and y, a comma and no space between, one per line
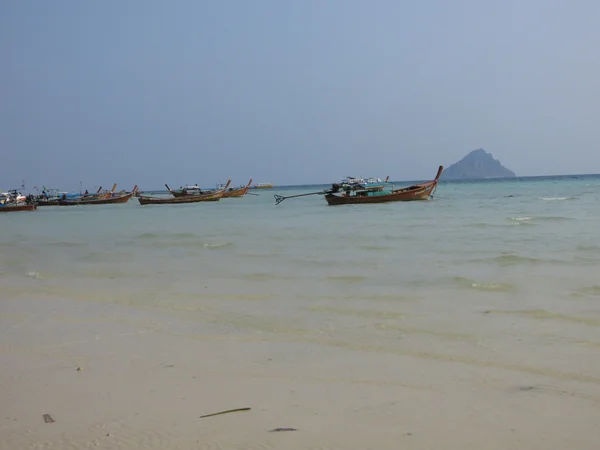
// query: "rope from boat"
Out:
[433,191]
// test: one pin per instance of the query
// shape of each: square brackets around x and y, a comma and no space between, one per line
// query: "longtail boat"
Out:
[209,197]
[51,197]
[338,196]
[14,207]
[103,199]
[238,192]
[421,191]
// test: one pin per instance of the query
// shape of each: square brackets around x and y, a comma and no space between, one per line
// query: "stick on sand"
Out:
[225,412]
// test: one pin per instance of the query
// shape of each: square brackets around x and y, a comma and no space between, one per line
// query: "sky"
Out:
[150,92]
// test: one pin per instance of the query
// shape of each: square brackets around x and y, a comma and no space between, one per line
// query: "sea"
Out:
[499,276]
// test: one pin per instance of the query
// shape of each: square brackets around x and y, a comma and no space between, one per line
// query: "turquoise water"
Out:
[533,234]
[248,266]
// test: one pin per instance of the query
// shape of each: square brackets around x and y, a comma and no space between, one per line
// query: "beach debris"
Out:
[48,419]
[283,429]
[225,412]
[526,388]
[79,369]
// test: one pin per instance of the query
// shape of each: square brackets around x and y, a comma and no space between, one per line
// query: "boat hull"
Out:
[15,208]
[239,192]
[100,201]
[53,202]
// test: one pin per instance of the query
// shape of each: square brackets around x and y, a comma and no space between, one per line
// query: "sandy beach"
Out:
[114,377]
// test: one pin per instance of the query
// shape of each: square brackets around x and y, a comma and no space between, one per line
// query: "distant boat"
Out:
[102,199]
[13,207]
[12,196]
[13,201]
[263,186]
[207,197]
[51,197]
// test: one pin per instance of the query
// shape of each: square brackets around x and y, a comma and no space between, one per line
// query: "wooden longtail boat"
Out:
[210,197]
[13,207]
[239,192]
[347,196]
[51,197]
[421,191]
[104,199]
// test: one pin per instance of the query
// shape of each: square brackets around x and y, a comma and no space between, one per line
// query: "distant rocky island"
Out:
[477,164]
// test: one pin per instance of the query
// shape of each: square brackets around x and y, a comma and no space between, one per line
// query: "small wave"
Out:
[588,290]
[591,248]
[182,235]
[532,220]
[486,286]
[556,199]
[191,244]
[65,244]
[374,247]
[358,312]
[266,277]
[521,220]
[347,278]
[553,218]
[425,331]
[218,245]
[148,236]
[545,314]
[515,260]
[389,237]
[485,225]
[167,236]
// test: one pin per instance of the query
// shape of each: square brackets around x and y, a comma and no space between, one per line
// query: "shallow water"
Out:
[497,277]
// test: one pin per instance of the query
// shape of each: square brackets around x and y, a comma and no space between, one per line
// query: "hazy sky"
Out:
[303,91]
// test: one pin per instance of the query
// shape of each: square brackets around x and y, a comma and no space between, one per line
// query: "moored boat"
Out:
[338,196]
[14,207]
[51,197]
[206,197]
[262,186]
[422,191]
[102,199]
[237,192]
